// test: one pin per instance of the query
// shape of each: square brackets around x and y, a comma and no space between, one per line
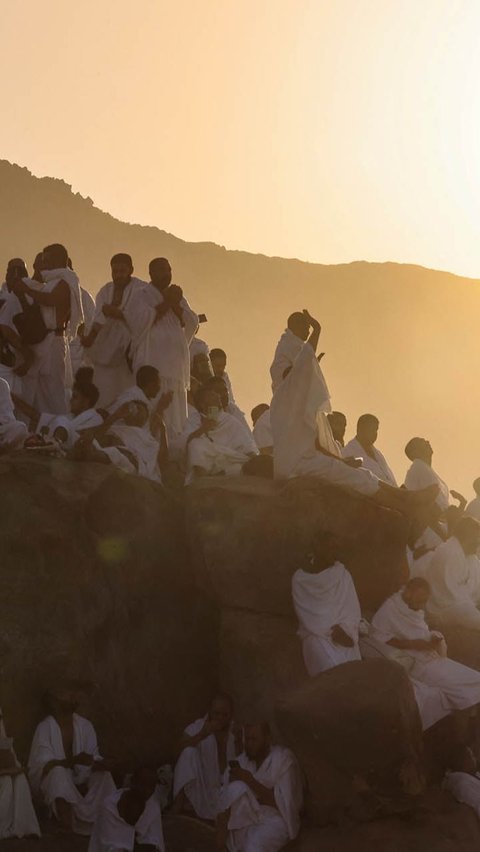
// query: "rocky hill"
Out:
[401,341]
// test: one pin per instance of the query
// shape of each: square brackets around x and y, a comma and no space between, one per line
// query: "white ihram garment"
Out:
[473,508]
[164,344]
[458,686]
[294,418]
[465,788]
[12,431]
[421,475]
[321,601]
[261,828]
[112,834]
[17,814]
[288,347]
[74,426]
[112,375]
[197,772]
[262,432]
[454,586]
[62,783]
[224,449]
[378,465]
[139,441]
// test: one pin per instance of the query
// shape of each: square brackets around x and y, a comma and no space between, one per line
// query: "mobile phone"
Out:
[202,318]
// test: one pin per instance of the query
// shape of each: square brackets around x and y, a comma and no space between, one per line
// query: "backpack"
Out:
[30,323]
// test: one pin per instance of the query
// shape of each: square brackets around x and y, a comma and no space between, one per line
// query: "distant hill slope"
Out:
[401,341]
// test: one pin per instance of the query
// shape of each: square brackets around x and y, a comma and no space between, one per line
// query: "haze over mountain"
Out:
[401,341]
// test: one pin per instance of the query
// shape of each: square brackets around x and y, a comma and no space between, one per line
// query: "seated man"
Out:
[462,779]
[219,385]
[473,508]
[17,815]
[362,446]
[206,748]
[261,804]
[454,577]
[222,444]
[327,607]
[65,768]
[13,432]
[289,346]
[297,451]
[218,359]
[400,623]
[130,819]
[262,429]
[146,388]
[338,425]
[66,429]
[421,474]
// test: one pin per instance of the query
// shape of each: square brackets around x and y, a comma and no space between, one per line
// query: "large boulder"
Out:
[95,584]
[354,728]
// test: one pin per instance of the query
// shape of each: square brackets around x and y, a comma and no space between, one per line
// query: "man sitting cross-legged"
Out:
[222,444]
[400,623]
[261,804]
[206,748]
[131,818]
[65,768]
[327,607]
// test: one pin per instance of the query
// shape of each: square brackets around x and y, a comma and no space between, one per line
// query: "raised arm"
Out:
[315,333]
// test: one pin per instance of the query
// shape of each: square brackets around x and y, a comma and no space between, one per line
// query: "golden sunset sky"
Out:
[329,130]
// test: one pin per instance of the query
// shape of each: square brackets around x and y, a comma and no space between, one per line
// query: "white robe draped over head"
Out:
[255,826]
[17,814]
[287,350]
[321,601]
[112,834]
[197,772]
[224,449]
[62,783]
[454,581]
[294,418]
[458,686]
[74,426]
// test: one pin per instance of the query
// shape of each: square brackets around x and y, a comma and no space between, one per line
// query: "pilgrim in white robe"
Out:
[17,814]
[294,419]
[377,465]
[74,426]
[473,508]
[223,450]
[454,580]
[78,354]
[112,834]
[51,366]
[197,772]
[262,432]
[10,307]
[421,475]
[253,827]
[108,353]
[131,394]
[63,783]
[288,347]
[139,441]
[197,347]
[321,601]
[458,686]
[12,431]
[164,344]
[465,788]
[429,540]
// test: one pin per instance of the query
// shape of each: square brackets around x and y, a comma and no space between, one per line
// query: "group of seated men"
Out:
[249,790]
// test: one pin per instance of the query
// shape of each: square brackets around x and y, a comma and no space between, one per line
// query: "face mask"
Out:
[213,412]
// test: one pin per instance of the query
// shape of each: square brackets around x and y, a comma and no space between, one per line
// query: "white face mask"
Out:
[213,412]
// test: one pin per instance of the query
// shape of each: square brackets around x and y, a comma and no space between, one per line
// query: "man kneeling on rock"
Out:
[260,807]
[65,768]
[131,818]
[206,747]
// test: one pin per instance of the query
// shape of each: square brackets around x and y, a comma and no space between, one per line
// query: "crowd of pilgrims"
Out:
[124,380]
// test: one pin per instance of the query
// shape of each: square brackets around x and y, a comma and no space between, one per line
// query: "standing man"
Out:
[109,339]
[164,327]
[289,346]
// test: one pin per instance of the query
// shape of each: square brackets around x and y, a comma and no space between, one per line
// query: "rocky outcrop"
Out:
[94,584]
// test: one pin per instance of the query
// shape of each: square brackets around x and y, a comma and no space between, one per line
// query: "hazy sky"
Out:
[330,130]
